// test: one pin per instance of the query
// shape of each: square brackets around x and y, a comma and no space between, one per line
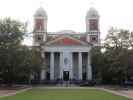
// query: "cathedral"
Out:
[66,53]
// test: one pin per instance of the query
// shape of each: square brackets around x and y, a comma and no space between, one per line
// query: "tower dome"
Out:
[40,12]
[92,13]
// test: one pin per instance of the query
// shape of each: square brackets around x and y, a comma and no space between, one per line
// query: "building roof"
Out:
[67,37]
[40,12]
[92,13]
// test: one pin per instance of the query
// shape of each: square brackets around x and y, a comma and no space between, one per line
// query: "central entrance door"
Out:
[67,66]
[66,75]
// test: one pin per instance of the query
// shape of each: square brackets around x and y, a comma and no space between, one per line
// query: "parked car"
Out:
[129,82]
[88,83]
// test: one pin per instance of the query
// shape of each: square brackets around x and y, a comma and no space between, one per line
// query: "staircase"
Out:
[66,84]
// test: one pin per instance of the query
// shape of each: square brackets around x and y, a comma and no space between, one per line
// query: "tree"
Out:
[114,65]
[29,63]
[17,62]
[116,55]
[118,38]
[11,34]
[96,62]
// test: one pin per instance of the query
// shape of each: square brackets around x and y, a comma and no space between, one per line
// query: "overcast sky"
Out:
[70,14]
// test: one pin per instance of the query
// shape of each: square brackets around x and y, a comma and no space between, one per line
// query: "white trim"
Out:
[67,48]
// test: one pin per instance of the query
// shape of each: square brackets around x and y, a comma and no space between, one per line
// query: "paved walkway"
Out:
[4,93]
[127,94]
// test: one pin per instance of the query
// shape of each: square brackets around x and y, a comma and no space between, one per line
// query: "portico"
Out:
[68,62]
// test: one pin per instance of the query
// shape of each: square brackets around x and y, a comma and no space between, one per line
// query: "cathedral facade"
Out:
[66,53]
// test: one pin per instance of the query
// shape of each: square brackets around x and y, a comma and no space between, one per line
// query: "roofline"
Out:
[52,41]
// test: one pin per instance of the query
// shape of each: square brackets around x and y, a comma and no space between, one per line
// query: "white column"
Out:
[32,77]
[52,66]
[43,72]
[71,65]
[61,65]
[80,65]
[89,69]
[43,75]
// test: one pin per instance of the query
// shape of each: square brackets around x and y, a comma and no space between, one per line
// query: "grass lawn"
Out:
[64,94]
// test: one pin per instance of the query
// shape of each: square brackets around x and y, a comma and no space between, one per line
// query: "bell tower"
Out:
[92,27]
[40,26]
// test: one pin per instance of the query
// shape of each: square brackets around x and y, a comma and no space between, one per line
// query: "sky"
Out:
[70,14]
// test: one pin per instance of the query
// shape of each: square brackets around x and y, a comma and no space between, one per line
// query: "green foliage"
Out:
[118,38]
[17,62]
[11,31]
[96,61]
[114,65]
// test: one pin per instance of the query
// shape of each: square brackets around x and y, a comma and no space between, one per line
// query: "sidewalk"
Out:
[128,94]
[4,93]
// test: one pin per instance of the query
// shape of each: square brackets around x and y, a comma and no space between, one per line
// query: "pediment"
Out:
[66,40]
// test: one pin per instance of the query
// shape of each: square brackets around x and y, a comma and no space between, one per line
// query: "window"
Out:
[39,38]
[39,24]
[93,24]
[94,38]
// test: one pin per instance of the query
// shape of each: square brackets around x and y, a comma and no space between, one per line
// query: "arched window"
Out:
[39,24]
[93,24]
